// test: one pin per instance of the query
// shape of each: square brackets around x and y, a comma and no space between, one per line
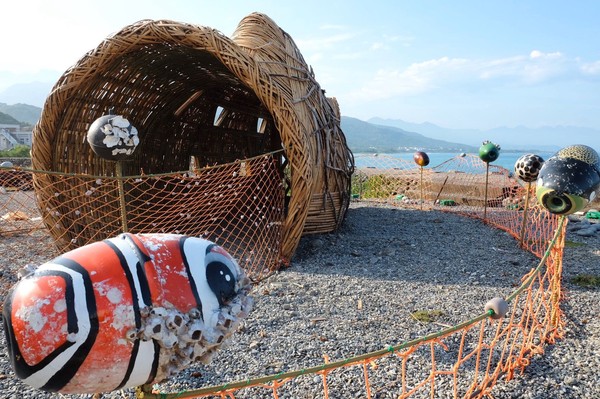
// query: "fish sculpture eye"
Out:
[221,281]
[560,204]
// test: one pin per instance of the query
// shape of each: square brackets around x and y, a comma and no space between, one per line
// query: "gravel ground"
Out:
[353,291]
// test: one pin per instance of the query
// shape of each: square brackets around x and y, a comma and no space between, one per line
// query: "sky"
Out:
[458,64]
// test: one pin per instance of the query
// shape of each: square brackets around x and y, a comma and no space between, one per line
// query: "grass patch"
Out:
[586,280]
[573,244]
[426,316]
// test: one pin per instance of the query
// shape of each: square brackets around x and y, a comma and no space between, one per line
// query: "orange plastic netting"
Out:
[464,185]
[241,206]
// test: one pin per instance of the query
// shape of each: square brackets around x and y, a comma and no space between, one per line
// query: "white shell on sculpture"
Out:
[113,137]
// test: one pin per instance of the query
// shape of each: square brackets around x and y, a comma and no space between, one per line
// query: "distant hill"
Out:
[549,138]
[26,93]
[368,137]
[22,112]
[7,119]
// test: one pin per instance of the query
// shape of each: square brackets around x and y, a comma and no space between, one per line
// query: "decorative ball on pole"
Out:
[489,152]
[113,137]
[527,167]
[421,158]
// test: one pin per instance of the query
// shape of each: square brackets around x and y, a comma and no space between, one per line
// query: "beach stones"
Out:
[489,152]
[527,167]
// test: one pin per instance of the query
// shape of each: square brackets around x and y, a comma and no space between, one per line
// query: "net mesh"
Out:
[241,206]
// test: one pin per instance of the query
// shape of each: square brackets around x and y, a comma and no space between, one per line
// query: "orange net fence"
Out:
[464,185]
[241,206]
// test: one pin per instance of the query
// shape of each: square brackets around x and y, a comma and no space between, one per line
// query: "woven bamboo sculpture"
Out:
[173,81]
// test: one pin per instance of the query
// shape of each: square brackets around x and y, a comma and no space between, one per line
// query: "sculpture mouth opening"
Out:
[559,203]
[562,203]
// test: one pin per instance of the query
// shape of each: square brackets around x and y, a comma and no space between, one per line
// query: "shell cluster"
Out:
[120,135]
[113,137]
[185,337]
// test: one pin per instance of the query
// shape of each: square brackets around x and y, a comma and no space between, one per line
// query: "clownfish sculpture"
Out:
[123,312]
[569,180]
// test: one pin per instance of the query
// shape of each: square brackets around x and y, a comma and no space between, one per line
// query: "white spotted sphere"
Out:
[528,166]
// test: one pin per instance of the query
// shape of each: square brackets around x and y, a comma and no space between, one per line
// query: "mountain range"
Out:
[363,136]
[521,138]
[396,135]
[22,113]
[26,93]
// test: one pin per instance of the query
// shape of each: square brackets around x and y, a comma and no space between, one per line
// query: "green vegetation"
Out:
[426,316]
[7,119]
[24,113]
[573,244]
[377,186]
[586,280]
[20,151]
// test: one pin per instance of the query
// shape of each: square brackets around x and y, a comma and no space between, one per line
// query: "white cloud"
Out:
[535,68]
[591,68]
[324,42]
[377,46]
[532,69]
[332,27]
[417,78]
[405,41]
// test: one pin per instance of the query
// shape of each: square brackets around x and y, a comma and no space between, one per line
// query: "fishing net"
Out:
[461,361]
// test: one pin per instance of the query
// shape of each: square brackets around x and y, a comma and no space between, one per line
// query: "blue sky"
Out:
[458,64]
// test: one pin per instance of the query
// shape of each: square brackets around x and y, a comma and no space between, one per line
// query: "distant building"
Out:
[11,136]
[10,128]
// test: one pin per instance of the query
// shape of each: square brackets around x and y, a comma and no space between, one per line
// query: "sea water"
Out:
[506,160]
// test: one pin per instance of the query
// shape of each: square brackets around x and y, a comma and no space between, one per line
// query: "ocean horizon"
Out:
[506,160]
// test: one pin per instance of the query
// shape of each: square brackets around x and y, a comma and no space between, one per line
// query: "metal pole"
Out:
[487,172]
[522,235]
[119,170]
[421,184]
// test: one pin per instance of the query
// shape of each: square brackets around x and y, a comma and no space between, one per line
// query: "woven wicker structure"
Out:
[200,98]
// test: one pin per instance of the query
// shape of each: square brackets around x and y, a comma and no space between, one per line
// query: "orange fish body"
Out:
[123,312]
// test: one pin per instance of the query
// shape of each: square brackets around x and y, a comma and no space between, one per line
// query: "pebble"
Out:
[582,226]
[353,291]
